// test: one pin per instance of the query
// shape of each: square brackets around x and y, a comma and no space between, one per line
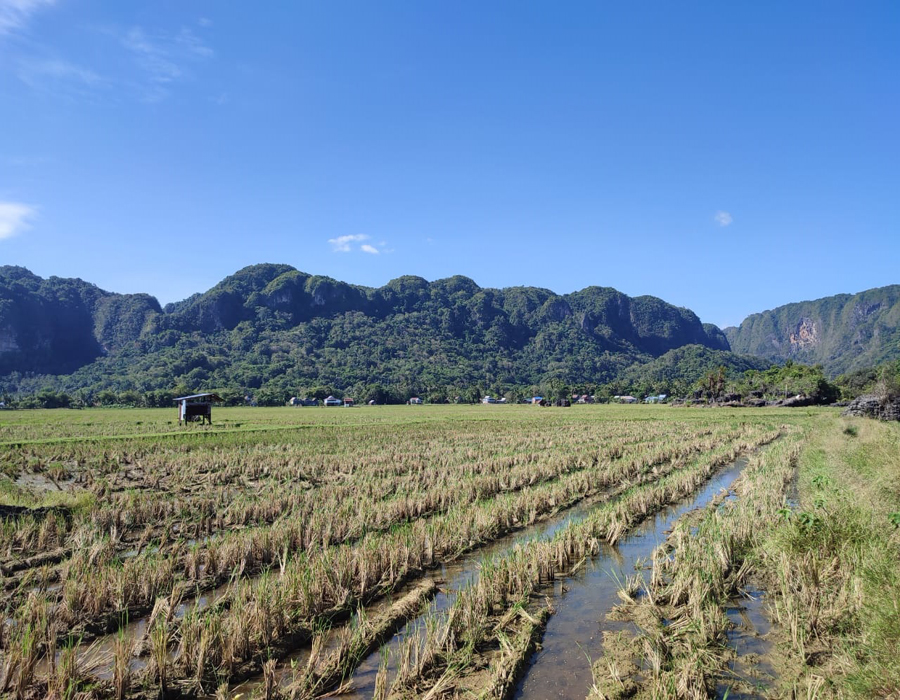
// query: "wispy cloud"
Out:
[163,57]
[151,57]
[14,218]
[723,218]
[14,14]
[160,58]
[51,73]
[193,44]
[366,248]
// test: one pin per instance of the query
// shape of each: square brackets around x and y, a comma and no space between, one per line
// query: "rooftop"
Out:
[213,397]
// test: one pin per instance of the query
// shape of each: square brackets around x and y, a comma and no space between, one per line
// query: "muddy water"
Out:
[450,577]
[752,669]
[40,483]
[460,573]
[574,635]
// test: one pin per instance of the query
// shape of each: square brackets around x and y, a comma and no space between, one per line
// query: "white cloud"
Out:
[14,217]
[723,218]
[162,57]
[342,244]
[348,243]
[14,14]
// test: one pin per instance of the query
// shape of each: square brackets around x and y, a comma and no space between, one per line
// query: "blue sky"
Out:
[727,157]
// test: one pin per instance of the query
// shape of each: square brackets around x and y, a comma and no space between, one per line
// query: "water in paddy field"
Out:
[574,634]
[454,577]
[451,578]
[98,655]
[561,669]
[749,639]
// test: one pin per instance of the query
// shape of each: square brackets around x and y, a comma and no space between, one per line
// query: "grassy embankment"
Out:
[834,565]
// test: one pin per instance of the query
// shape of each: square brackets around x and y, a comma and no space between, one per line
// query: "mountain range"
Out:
[272,327]
[842,333]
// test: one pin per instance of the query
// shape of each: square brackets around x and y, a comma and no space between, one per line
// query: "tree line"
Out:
[774,383]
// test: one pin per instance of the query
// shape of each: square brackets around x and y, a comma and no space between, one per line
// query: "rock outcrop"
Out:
[873,406]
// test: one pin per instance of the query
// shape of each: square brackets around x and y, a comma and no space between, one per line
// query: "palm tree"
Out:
[715,382]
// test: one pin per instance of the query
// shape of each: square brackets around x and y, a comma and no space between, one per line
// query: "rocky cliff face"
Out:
[806,335]
[843,332]
[58,325]
[8,342]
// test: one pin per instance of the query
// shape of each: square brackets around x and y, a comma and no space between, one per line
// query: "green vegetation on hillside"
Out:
[843,333]
[680,371]
[275,331]
[57,325]
[883,380]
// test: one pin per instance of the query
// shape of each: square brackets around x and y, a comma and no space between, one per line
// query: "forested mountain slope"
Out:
[842,332]
[682,367]
[57,325]
[274,326]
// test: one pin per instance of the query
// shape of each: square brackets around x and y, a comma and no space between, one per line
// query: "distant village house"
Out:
[295,401]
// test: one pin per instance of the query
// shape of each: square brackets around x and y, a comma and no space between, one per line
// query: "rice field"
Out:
[412,552]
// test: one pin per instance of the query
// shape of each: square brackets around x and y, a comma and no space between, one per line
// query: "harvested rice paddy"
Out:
[449,551]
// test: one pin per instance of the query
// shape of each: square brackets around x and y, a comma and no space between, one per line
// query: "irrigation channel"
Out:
[574,632]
